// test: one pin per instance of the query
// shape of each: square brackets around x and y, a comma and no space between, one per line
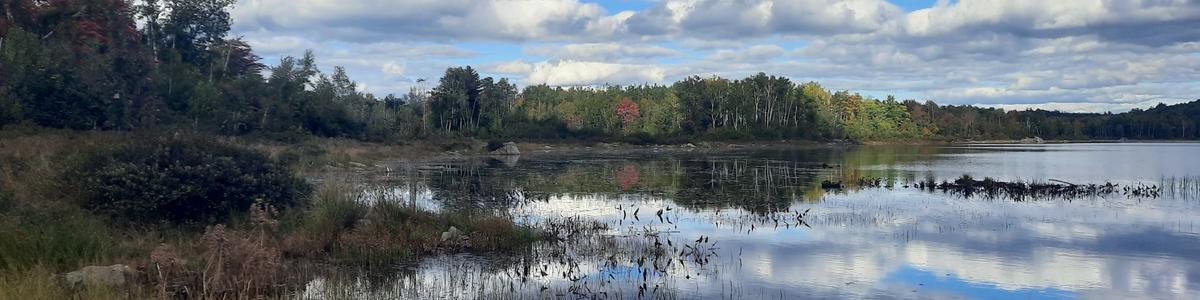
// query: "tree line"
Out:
[87,65]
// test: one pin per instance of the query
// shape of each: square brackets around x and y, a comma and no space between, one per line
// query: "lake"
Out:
[758,223]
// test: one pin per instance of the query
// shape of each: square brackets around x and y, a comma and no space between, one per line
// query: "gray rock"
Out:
[114,275]
[357,164]
[689,145]
[509,148]
[1033,140]
[507,160]
[452,233]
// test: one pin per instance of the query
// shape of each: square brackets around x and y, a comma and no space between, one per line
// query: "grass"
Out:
[60,240]
[46,230]
[39,283]
[348,227]
[313,154]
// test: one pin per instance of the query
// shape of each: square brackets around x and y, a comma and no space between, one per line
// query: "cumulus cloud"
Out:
[606,52]
[757,18]
[511,68]
[756,53]
[579,73]
[442,20]
[1146,22]
[394,69]
[1083,55]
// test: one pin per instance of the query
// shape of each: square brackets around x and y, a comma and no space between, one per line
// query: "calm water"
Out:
[733,225]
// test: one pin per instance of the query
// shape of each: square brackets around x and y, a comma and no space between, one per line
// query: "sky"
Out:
[1070,55]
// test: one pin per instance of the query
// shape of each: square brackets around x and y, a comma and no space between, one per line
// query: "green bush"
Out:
[183,180]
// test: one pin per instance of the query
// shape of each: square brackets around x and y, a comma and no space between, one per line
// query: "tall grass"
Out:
[39,282]
[342,224]
[61,240]
[1183,187]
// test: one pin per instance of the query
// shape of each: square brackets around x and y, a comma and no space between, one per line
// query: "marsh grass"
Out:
[354,227]
[39,283]
[47,229]
[41,224]
[55,239]
[1183,187]
[313,154]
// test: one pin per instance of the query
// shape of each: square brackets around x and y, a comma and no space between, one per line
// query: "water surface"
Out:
[757,224]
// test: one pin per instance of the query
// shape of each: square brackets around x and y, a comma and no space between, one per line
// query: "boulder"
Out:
[509,148]
[452,233]
[1033,140]
[114,275]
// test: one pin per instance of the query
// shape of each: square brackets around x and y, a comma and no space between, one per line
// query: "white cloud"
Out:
[606,52]
[578,73]
[440,20]
[758,18]
[756,53]
[394,69]
[512,67]
[1085,55]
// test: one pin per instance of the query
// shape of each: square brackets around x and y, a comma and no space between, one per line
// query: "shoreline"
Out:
[350,154]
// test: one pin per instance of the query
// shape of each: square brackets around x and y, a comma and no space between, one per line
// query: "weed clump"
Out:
[226,264]
[346,226]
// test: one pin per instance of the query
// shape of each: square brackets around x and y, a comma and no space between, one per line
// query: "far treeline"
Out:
[86,65]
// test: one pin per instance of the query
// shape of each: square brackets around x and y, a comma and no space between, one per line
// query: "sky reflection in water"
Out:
[863,243]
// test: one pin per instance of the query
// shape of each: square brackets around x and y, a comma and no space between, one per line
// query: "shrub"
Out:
[183,180]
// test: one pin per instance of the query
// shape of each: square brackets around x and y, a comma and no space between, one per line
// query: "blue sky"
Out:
[1079,55]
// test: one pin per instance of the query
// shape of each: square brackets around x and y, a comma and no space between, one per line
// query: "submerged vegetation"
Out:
[990,188]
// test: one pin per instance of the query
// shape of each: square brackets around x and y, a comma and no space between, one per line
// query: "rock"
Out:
[689,145]
[1033,140]
[506,160]
[453,233]
[357,164]
[113,275]
[509,148]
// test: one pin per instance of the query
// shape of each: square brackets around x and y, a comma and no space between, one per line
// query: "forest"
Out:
[110,65]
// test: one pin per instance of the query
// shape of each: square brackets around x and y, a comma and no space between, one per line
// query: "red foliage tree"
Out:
[628,111]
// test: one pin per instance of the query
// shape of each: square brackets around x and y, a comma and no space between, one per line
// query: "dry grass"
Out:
[341,225]
[40,282]
[44,229]
[317,153]
[223,264]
